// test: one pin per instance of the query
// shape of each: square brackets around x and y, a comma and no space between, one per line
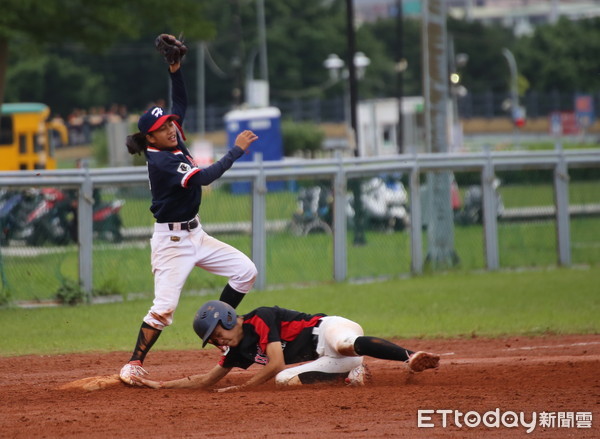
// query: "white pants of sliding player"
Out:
[335,347]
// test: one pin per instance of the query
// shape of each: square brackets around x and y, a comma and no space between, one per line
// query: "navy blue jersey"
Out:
[175,181]
[270,324]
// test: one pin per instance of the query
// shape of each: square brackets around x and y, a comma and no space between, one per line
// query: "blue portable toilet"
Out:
[266,124]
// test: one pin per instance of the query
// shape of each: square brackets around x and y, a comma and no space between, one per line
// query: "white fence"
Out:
[338,170]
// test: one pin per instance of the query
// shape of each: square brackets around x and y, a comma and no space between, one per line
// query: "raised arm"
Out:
[179,92]
[204,177]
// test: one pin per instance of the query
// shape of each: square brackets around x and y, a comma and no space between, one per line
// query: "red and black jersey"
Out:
[268,324]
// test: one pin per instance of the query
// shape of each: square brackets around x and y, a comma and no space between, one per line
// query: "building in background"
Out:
[521,15]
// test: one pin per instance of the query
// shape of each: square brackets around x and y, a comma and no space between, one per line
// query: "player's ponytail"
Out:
[136,143]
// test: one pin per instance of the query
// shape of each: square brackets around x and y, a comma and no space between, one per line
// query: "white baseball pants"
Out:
[336,334]
[176,253]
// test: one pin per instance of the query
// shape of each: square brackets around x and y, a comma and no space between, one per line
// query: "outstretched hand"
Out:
[245,138]
[144,382]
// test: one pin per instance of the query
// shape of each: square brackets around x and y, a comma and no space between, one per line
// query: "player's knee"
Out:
[346,346]
[159,319]
[251,273]
[285,378]
[248,276]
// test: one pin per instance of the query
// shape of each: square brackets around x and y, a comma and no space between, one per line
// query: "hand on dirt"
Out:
[139,381]
[228,389]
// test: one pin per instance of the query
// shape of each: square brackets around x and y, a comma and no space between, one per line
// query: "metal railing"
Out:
[339,170]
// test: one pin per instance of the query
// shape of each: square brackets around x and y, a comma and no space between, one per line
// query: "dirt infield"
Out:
[489,378]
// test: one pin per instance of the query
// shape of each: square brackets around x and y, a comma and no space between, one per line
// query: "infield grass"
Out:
[564,301]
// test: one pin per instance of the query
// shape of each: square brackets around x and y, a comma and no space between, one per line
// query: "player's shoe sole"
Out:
[133,368]
[358,376]
[420,361]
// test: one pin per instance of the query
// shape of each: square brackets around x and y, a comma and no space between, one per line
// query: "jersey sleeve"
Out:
[233,359]
[179,95]
[204,177]
[172,170]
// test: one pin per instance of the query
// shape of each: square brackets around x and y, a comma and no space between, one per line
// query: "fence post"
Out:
[85,232]
[340,251]
[561,201]
[490,213]
[416,237]
[259,238]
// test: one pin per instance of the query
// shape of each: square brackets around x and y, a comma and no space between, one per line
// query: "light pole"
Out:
[457,61]
[257,90]
[514,91]
[338,72]
[440,226]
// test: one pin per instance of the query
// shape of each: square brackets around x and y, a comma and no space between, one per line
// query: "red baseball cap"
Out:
[153,119]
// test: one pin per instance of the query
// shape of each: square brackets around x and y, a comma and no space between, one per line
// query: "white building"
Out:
[378,126]
[521,15]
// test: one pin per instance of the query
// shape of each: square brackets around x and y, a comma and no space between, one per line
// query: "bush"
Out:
[70,293]
[301,137]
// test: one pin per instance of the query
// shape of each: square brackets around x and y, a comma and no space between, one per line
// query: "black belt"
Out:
[186,225]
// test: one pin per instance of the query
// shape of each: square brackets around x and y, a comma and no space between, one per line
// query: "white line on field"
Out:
[531,348]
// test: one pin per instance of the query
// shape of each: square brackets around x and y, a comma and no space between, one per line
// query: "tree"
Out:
[300,36]
[561,56]
[43,78]
[94,26]
[486,69]
[384,31]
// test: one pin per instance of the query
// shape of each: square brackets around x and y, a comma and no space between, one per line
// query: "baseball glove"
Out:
[171,48]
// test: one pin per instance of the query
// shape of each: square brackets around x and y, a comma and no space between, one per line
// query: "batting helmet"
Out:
[210,315]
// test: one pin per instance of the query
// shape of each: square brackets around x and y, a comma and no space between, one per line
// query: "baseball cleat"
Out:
[358,376]
[419,361]
[133,368]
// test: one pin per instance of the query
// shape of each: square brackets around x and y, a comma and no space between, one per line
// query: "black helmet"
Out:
[209,315]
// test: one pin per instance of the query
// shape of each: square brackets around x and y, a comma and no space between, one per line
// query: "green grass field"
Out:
[563,301]
[300,260]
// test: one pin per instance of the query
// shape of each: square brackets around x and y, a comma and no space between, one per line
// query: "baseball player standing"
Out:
[179,243]
[332,347]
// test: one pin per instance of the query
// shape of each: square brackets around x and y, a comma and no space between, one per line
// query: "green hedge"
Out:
[305,137]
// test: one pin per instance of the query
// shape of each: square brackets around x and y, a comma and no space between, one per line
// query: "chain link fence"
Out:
[311,221]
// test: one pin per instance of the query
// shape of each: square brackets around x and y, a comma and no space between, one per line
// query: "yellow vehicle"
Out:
[26,137]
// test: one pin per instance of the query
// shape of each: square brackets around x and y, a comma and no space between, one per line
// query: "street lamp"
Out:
[457,90]
[516,111]
[335,65]
[338,72]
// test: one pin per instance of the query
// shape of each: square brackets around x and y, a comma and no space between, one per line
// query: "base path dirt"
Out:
[550,383]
